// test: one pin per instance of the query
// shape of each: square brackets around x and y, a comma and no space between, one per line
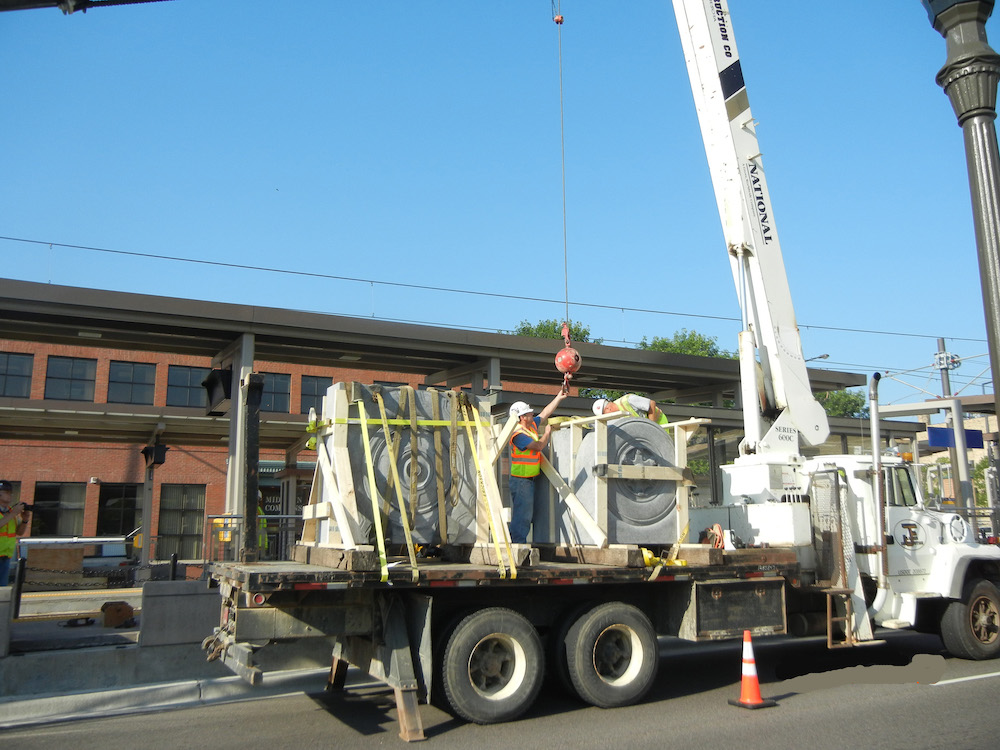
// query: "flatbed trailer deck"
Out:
[268,577]
[479,638]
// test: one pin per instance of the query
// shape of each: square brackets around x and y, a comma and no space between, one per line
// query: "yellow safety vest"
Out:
[524,463]
[623,403]
[8,538]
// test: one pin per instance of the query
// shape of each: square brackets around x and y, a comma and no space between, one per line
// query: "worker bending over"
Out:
[526,446]
[634,404]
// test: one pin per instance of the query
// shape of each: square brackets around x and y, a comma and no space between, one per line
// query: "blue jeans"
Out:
[522,508]
[4,571]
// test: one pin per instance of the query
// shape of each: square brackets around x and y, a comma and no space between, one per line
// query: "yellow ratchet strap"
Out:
[399,491]
[453,445]
[376,513]
[439,468]
[378,422]
[482,433]
[505,534]
[410,396]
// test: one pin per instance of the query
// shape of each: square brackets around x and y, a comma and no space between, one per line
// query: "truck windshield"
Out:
[899,487]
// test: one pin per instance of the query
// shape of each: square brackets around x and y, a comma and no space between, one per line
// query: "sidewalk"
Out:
[52,620]
[52,708]
[64,664]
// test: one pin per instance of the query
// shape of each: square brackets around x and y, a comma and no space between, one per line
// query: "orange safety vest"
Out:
[525,463]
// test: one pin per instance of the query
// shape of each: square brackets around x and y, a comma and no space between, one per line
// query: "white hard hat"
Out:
[599,406]
[519,408]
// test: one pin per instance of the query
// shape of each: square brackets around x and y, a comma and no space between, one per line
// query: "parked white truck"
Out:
[427,593]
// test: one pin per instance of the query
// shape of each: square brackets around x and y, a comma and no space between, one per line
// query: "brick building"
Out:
[94,489]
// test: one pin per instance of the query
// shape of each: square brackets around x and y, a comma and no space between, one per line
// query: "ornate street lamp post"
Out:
[969,78]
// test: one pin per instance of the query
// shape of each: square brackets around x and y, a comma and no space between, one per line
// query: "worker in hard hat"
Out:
[634,404]
[526,446]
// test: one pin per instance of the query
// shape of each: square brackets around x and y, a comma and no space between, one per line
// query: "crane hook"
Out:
[568,360]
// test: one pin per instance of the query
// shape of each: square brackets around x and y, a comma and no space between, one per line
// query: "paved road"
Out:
[875,696]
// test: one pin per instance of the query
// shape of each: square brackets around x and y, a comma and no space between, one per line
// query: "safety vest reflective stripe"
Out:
[623,403]
[8,539]
[526,463]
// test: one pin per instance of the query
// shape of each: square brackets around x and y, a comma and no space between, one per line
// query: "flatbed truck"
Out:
[481,644]
[825,544]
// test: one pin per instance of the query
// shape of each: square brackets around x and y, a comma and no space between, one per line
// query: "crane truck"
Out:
[433,599]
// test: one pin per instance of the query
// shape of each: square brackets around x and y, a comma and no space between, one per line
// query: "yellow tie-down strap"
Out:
[376,514]
[403,514]
[407,422]
[492,512]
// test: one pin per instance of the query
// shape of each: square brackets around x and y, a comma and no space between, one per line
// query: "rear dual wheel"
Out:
[611,655]
[492,666]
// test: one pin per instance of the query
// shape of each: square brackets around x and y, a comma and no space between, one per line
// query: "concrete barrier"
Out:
[70,676]
[176,612]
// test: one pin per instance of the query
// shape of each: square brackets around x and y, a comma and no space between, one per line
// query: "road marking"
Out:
[967,679]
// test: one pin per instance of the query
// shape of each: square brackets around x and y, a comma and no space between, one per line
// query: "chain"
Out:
[117,577]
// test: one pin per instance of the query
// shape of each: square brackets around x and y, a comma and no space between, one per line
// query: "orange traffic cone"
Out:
[750,687]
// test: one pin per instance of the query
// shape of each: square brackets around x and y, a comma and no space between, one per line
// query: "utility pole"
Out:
[969,78]
[946,362]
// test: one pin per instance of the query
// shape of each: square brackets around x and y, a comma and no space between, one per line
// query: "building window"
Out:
[70,379]
[277,390]
[184,386]
[58,509]
[182,519]
[15,375]
[313,390]
[116,509]
[131,383]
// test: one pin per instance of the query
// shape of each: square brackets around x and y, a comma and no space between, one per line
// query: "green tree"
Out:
[979,481]
[552,329]
[844,403]
[687,342]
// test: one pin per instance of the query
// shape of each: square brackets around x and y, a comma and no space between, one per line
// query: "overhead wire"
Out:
[452,290]
[888,373]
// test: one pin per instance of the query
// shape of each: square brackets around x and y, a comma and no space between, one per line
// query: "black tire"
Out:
[559,648]
[970,629]
[613,655]
[441,635]
[492,667]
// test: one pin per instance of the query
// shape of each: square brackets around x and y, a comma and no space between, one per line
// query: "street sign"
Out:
[944,437]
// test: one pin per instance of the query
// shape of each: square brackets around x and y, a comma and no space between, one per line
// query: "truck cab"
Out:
[916,562]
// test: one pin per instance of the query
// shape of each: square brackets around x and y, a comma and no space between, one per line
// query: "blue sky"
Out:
[417,143]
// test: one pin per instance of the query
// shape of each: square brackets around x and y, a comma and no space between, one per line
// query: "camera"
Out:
[27,506]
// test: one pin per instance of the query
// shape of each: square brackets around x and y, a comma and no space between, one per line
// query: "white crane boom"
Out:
[773,370]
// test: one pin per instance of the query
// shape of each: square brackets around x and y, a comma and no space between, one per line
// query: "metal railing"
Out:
[276,535]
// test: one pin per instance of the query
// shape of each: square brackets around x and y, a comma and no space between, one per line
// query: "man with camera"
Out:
[14,522]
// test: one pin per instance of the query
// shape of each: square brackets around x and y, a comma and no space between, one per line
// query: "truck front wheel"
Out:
[970,629]
[612,655]
[492,666]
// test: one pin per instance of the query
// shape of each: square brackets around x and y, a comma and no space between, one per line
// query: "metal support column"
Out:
[251,465]
[240,355]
